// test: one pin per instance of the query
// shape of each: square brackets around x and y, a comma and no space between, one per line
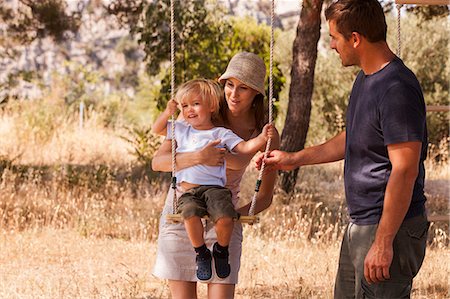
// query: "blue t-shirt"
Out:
[385,108]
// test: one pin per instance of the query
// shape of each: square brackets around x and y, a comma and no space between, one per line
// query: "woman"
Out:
[243,112]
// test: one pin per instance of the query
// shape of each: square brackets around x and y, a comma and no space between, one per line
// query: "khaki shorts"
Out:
[214,201]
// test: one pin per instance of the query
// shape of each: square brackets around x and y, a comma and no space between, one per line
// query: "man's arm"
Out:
[330,151]
[265,194]
[404,158]
[236,162]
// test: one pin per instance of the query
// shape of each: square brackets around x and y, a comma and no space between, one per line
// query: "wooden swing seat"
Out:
[176,218]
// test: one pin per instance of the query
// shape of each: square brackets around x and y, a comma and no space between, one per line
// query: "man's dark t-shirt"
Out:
[385,108]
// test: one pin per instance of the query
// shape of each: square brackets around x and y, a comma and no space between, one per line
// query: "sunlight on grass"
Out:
[79,219]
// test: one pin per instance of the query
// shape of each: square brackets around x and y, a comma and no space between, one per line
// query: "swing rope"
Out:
[172,89]
[251,211]
[399,36]
[172,96]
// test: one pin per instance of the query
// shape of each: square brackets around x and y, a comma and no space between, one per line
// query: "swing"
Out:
[251,218]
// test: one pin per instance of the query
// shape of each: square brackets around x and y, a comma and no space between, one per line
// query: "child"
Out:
[203,186]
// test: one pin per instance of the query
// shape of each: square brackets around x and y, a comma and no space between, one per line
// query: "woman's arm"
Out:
[209,155]
[265,194]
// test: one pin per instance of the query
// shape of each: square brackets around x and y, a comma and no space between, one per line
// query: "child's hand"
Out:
[268,131]
[172,107]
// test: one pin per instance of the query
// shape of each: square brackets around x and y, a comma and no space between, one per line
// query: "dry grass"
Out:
[78,219]
[34,139]
[51,263]
[80,241]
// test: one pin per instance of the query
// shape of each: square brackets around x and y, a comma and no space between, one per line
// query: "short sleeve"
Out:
[169,130]
[180,128]
[230,139]
[402,114]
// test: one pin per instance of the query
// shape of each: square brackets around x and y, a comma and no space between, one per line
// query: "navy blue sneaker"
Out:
[221,263]
[204,270]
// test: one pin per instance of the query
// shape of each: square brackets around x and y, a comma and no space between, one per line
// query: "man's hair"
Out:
[207,90]
[363,16]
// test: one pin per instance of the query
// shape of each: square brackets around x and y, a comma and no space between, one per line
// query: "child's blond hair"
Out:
[207,90]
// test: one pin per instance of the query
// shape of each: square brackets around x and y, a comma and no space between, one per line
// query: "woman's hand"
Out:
[211,155]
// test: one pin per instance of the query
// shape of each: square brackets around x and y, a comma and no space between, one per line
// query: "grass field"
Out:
[79,218]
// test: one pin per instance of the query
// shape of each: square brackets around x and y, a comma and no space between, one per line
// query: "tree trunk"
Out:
[302,82]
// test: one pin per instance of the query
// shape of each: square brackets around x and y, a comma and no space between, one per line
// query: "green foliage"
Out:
[38,19]
[142,109]
[111,109]
[93,177]
[79,84]
[205,40]
[128,75]
[127,12]
[39,119]
[144,144]
[426,12]
[197,36]
[425,50]
[429,12]
[332,86]
[12,81]
[426,54]
[252,37]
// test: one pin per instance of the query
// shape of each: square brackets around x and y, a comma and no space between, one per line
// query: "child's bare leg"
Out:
[194,229]
[224,229]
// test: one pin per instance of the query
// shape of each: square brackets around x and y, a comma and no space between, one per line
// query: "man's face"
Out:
[342,46]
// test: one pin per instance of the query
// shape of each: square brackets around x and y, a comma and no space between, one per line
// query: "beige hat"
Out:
[248,68]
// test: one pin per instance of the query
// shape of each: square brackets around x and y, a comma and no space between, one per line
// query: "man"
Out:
[384,146]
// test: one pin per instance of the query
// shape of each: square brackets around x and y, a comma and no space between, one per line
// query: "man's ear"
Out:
[356,39]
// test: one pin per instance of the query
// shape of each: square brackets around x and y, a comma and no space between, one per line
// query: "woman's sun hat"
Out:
[248,68]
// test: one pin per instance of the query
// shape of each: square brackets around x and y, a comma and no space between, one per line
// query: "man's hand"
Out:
[277,160]
[377,262]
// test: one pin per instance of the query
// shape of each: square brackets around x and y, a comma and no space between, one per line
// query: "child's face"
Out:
[196,111]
